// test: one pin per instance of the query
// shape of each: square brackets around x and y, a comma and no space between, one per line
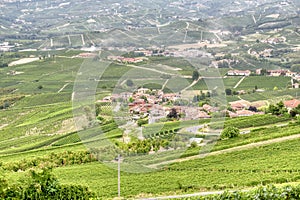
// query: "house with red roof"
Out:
[290,104]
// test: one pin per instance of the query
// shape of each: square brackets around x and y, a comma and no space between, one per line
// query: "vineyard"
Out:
[221,170]
[276,163]
[263,192]
[251,121]
[38,132]
[264,83]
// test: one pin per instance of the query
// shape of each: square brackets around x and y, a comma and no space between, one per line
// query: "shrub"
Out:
[230,132]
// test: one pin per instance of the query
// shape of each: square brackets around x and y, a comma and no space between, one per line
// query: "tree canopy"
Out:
[230,132]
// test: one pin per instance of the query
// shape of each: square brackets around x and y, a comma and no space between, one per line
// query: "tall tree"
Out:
[195,75]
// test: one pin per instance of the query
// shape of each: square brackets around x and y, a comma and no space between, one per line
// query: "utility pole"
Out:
[119,176]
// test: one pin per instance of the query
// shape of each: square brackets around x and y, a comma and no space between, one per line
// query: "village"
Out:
[157,106]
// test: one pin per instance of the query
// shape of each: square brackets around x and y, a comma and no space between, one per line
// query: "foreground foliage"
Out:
[42,185]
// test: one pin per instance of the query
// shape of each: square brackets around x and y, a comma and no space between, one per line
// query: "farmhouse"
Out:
[171,96]
[5,46]
[295,85]
[291,103]
[279,72]
[124,60]
[243,113]
[258,71]
[239,73]
[142,90]
[239,105]
[290,74]
[87,55]
[209,108]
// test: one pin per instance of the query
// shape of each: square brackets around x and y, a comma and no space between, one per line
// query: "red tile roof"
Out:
[292,103]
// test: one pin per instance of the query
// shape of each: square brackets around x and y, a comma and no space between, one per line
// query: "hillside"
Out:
[184,97]
[40,124]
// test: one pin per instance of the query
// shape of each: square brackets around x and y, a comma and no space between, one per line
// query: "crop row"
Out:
[51,160]
[251,121]
[262,192]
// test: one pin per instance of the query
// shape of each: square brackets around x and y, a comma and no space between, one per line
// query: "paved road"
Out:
[239,82]
[63,87]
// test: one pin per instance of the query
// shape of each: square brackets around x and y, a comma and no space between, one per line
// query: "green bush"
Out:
[230,132]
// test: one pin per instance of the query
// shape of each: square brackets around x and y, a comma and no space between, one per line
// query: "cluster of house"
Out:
[279,72]
[242,107]
[142,53]
[155,105]
[223,62]
[172,53]
[283,72]
[86,55]
[274,40]
[276,72]
[5,46]
[266,53]
[122,59]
